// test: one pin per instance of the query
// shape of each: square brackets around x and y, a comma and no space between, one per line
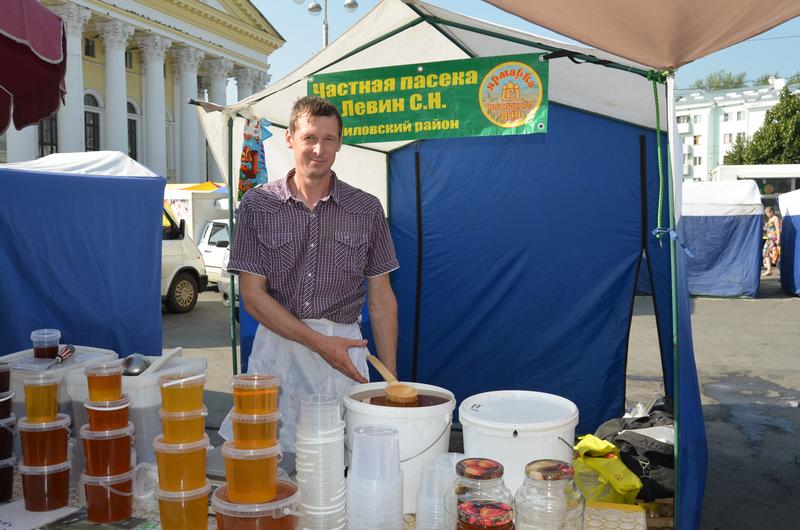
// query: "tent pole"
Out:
[673,270]
[232,298]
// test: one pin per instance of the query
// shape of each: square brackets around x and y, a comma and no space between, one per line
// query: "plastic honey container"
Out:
[104,382]
[107,453]
[7,437]
[255,393]
[7,478]
[45,343]
[44,444]
[108,415]
[45,488]
[252,473]
[183,427]
[254,431]
[108,499]
[6,403]
[181,467]
[279,514]
[184,510]
[182,392]
[41,397]
[5,377]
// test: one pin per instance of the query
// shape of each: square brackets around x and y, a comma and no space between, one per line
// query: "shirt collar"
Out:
[285,193]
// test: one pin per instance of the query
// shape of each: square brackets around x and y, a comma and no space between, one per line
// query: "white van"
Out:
[214,240]
[183,274]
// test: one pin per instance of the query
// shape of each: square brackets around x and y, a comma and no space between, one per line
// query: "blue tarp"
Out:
[790,250]
[81,253]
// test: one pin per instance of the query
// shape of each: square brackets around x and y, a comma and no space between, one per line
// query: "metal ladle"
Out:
[135,364]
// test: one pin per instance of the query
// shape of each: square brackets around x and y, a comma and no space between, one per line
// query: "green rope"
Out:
[656,77]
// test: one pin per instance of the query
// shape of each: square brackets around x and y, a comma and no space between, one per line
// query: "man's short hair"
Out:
[313,106]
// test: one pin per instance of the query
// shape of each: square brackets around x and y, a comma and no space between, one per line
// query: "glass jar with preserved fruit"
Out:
[480,514]
[476,479]
[548,499]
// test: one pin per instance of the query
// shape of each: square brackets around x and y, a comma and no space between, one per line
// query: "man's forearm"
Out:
[383,316]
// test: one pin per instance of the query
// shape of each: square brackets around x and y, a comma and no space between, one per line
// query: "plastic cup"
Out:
[431,496]
[184,510]
[5,404]
[45,488]
[278,514]
[183,427]
[7,478]
[253,431]
[252,473]
[105,382]
[108,415]
[107,453]
[108,499]
[181,467]
[255,393]
[182,392]
[5,377]
[319,414]
[376,452]
[7,437]
[41,397]
[44,444]
[45,343]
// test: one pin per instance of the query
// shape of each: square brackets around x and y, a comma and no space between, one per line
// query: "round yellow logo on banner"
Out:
[510,94]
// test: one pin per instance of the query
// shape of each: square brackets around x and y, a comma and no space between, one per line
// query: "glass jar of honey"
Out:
[476,479]
[480,514]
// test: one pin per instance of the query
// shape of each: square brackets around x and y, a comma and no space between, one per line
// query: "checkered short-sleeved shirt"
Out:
[315,262]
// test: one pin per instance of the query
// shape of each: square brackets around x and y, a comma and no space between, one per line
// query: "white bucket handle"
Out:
[109,488]
[402,461]
[183,380]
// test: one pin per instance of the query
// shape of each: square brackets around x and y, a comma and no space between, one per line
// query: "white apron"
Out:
[302,372]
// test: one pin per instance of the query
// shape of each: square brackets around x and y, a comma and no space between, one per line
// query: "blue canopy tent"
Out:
[721,227]
[790,250]
[519,255]
[81,252]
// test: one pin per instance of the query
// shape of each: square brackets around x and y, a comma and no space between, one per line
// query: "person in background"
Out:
[308,248]
[772,244]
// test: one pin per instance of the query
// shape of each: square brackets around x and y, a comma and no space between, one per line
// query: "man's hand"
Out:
[334,351]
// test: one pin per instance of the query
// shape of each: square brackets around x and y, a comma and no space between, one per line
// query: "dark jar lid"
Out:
[485,514]
[479,468]
[549,470]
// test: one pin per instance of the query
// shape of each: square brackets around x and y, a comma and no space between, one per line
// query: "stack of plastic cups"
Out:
[181,453]
[7,422]
[45,445]
[108,439]
[374,480]
[320,463]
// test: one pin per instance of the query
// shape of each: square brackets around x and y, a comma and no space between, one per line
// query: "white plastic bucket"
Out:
[515,427]
[424,431]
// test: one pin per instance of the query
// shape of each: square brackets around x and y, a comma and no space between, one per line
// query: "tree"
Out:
[720,80]
[795,79]
[764,79]
[778,139]
[738,153]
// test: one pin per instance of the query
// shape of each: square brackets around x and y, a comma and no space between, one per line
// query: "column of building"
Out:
[188,59]
[218,71]
[115,35]
[244,81]
[154,48]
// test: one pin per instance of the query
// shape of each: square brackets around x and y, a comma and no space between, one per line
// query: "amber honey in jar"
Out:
[108,499]
[45,488]
[482,514]
[255,393]
[278,514]
[45,343]
[182,392]
[105,382]
[44,444]
[108,415]
[183,427]
[253,431]
[252,473]
[181,467]
[107,453]
[41,397]
[184,510]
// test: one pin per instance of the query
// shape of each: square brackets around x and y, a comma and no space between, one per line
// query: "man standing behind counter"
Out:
[303,246]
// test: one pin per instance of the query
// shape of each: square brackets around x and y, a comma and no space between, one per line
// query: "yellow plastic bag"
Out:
[600,473]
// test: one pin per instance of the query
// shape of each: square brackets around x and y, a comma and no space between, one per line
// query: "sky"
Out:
[770,52]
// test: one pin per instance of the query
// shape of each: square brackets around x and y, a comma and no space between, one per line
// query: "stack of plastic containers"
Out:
[320,463]
[7,422]
[374,480]
[181,453]
[45,442]
[107,439]
[253,497]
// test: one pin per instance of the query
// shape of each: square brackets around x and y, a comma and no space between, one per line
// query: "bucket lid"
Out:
[5,422]
[101,480]
[117,404]
[160,447]
[88,434]
[228,450]
[45,335]
[62,421]
[44,470]
[485,514]
[519,410]
[180,496]
[10,461]
[255,381]
[41,379]
[181,379]
[185,415]
[286,501]
[549,469]
[6,395]
[479,468]
[104,369]
[255,418]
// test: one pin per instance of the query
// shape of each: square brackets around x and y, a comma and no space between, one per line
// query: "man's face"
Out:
[315,142]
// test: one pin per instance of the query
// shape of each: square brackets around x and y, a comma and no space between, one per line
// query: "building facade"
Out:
[709,122]
[132,66]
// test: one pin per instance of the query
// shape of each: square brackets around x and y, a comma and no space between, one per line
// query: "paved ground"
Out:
[747,356]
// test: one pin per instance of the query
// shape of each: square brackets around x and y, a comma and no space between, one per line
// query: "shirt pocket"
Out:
[350,251]
[279,252]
